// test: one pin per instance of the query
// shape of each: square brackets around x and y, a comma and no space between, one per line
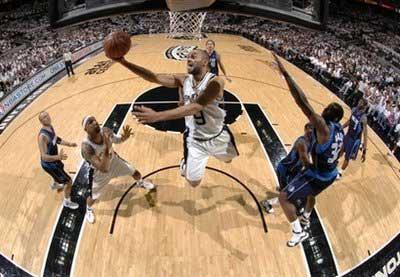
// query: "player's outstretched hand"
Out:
[62,155]
[145,115]
[126,132]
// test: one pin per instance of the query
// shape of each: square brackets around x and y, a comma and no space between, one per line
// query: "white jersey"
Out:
[99,148]
[118,168]
[209,122]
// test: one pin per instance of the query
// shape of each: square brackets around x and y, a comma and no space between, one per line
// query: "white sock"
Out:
[296,227]
[88,208]
[67,199]
[307,214]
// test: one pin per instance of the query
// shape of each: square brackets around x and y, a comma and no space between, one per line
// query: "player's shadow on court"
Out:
[248,139]
[202,212]
[138,198]
[383,159]
[157,142]
[353,212]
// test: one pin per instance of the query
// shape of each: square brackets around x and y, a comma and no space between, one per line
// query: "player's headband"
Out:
[86,121]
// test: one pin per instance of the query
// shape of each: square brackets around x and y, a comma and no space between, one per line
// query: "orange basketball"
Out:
[117,44]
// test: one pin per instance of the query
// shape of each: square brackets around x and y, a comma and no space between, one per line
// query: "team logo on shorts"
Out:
[179,53]
[99,68]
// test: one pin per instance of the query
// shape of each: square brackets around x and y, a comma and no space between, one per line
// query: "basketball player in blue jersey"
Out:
[328,140]
[357,126]
[206,134]
[215,60]
[296,160]
[51,159]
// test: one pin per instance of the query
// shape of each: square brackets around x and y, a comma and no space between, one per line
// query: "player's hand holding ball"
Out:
[117,45]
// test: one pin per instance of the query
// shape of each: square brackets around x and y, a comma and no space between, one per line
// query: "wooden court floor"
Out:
[214,230]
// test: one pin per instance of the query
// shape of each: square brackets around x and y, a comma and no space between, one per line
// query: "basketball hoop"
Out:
[186,25]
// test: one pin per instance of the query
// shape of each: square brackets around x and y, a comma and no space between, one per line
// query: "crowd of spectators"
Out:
[40,45]
[355,56]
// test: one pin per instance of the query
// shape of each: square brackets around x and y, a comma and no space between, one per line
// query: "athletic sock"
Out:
[296,227]
[307,214]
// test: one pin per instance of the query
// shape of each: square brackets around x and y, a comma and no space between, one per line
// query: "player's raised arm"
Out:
[213,90]
[302,149]
[167,80]
[102,164]
[301,100]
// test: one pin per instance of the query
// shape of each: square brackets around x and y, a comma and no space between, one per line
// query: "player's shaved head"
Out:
[44,118]
[203,53]
[42,114]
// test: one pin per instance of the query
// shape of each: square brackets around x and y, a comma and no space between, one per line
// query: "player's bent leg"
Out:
[305,217]
[60,176]
[288,208]
[142,183]
[67,196]
[196,162]
[137,175]
[297,190]
[120,167]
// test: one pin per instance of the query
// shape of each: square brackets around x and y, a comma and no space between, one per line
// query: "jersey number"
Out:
[199,118]
[336,147]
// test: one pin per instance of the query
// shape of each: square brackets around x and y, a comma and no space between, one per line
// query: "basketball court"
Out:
[216,229]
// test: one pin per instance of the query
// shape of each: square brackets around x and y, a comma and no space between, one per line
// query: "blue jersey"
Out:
[356,125]
[52,141]
[213,63]
[292,161]
[325,156]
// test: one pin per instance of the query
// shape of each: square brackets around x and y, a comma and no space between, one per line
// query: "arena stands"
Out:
[358,55]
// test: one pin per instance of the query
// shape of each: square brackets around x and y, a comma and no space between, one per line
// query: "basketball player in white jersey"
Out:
[104,163]
[206,134]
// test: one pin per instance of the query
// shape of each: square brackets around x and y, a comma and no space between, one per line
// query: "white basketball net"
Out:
[186,24]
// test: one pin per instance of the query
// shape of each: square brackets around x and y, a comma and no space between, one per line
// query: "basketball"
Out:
[117,44]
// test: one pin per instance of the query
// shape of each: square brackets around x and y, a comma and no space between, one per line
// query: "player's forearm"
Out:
[305,161]
[222,68]
[50,158]
[180,112]
[66,143]
[146,74]
[296,91]
[299,96]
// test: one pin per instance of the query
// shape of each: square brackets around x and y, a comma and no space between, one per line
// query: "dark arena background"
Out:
[54,72]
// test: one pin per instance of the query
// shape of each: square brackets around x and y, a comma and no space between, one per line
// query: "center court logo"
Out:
[99,68]
[179,53]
